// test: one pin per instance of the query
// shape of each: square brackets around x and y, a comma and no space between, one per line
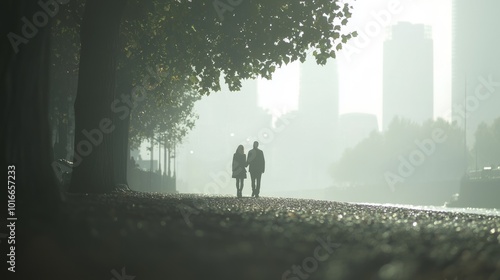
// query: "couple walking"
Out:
[256,166]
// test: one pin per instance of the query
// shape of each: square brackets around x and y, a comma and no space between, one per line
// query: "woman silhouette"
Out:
[239,171]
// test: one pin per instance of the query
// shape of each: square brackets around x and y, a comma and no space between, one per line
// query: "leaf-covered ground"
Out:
[153,236]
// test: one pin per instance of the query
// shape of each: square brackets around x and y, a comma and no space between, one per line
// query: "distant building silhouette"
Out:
[309,142]
[319,103]
[408,74]
[354,127]
[476,45]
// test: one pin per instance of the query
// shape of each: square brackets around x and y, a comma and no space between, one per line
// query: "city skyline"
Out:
[361,59]
[475,64]
[408,85]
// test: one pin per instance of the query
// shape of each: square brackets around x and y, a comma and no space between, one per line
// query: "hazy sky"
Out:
[360,63]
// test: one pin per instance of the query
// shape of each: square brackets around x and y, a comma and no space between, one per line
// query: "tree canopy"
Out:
[485,151]
[191,46]
[251,40]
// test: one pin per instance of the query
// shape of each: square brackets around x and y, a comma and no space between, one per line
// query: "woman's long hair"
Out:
[240,150]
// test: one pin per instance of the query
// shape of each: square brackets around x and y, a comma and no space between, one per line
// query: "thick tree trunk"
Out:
[123,110]
[121,150]
[61,140]
[25,138]
[94,127]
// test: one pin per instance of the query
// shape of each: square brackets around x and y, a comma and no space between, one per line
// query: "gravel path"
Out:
[152,236]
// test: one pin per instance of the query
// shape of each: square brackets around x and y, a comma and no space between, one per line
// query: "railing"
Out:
[145,181]
[484,174]
[138,179]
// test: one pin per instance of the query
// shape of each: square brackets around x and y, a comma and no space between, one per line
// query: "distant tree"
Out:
[166,121]
[409,144]
[134,65]
[485,151]
[360,164]
[252,40]
[142,67]
[165,124]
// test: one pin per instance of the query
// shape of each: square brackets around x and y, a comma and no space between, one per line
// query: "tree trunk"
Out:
[165,157]
[159,155]
[25,130]
[151,165]
[61,140]
[174,149]
[121,152]
[169,161]
[93,153]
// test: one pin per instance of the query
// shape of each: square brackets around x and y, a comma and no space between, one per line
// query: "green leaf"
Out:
[286,59]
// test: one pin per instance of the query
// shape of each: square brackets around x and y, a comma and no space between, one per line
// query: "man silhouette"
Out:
[257,166]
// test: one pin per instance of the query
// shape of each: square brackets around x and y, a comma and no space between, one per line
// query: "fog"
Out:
[410,149]
[238,139]
[299,146]
[406,113]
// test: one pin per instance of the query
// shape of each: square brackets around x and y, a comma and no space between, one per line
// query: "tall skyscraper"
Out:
[476,63]
[408,74]
[319,100]
[304,152]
